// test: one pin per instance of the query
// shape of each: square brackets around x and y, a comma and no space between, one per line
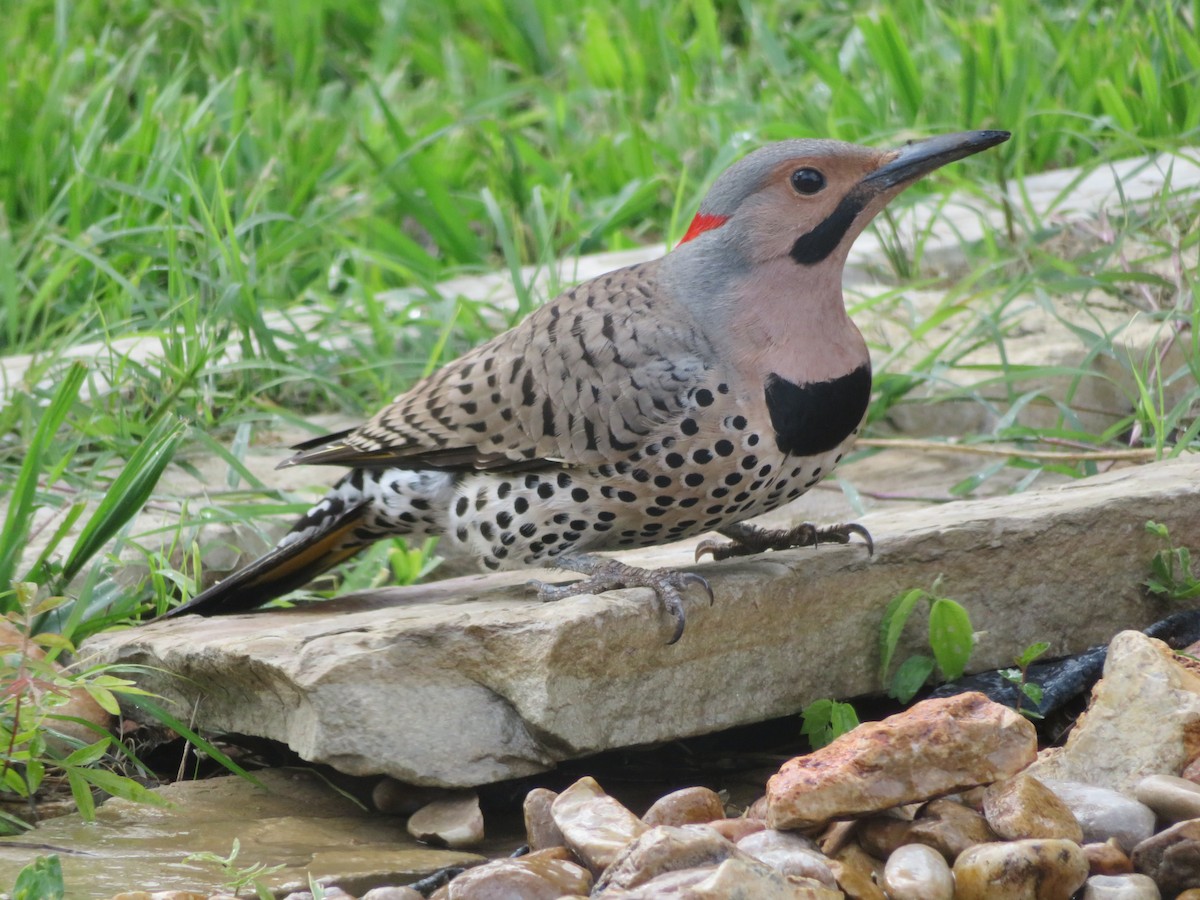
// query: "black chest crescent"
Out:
[814,418]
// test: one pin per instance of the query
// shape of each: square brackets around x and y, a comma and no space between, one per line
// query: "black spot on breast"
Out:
[816,417]
[815,246]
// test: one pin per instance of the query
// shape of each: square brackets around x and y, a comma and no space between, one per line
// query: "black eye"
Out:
[807,181]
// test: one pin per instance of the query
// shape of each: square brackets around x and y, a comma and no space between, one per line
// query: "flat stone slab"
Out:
[471,680]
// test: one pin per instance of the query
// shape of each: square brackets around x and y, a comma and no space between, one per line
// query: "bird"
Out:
[664,400]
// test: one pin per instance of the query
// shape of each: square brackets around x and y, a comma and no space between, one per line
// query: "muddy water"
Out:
[297,821]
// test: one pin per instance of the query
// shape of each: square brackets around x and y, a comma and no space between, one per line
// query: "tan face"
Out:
[805,193]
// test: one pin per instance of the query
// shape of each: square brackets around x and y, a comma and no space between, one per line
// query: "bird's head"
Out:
[809,199]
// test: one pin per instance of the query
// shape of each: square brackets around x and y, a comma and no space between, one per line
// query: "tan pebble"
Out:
[593,824]
[537,878]
[757,809]
[540,830]
[882,835]
[392,893]
[1189,894]
[858,874]
[1104,813]
[743,879]
[1173,799]
[1107,858]
[1191,771]
[665,848]
[950,828]
[917,872]
[1033,869]
[1120,887]
[836,836]
[972,797]
[1171,857]
[1023,807]
[453,821]
[789,854]
[400,799]
[736,829]
[689,806]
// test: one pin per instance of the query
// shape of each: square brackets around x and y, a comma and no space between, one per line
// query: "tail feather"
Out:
[283,569]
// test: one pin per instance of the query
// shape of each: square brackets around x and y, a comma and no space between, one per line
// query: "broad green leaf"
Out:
[894,619]
[42,879]
[910,677]
[950,637]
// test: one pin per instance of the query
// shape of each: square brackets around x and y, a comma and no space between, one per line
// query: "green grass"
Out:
[240,182]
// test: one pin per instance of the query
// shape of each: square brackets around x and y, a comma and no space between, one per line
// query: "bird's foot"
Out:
[610,574]
[746,540]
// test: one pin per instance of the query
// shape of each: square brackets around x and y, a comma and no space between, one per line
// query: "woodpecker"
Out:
[660,401]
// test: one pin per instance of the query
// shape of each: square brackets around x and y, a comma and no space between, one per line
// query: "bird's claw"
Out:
[747,540]
[610,574]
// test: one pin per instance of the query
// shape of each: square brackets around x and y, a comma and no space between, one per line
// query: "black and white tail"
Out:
[290,565]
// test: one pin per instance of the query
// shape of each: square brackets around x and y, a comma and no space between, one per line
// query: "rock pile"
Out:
[945,800]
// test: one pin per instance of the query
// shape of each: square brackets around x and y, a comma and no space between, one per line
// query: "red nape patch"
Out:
[702,223]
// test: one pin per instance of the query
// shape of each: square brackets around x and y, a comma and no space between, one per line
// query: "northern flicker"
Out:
[654,403]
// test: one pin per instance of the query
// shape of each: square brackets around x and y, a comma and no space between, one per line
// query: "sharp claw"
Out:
[679,622]
[691,579]
[717,549]
[855,528]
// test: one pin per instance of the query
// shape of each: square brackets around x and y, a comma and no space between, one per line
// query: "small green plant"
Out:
[239,877]
[46,746]
[1171,573]
[1019,678]
[44,743]
[950,638]
[825,720]
[42,879]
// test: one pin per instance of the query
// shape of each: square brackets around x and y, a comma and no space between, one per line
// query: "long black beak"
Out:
[920,158]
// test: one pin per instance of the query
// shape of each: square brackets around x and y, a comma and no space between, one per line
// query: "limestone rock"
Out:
[471,680]
[1107,858]
[733,879]
[1144,719]
[789,854]
[595,826]
[1103,813]
[532,877]
[1023,807]
[1171,857]
[882,835]
[1020,870]
[1173,799]
[917,872]
[934,748]
[858,874]
[455,821]
[689,806]
[736,829]
[393,892]
[540,830]
[666,848]
[1120,887]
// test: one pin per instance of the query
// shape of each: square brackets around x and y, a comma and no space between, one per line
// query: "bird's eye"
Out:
[807,181]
